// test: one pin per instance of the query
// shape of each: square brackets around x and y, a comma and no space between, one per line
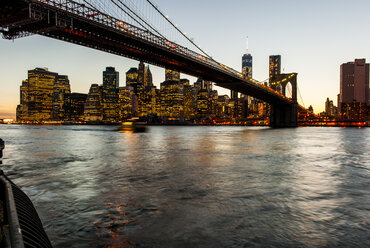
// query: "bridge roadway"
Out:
[83,25]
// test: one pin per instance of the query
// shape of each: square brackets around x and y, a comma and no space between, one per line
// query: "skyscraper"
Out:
[172,98]
[93,106]
[132,78]
[202,103]
[172,75]
[148,78]
[330,109]
[126,102]
[61,87]
[74,106]
[110,97]
[274,69]
[247,60]
[353,100]
[37,96]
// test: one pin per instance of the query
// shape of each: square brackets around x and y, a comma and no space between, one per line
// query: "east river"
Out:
[195,186]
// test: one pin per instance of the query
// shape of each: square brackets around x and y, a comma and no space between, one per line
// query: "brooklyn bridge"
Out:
[95,24]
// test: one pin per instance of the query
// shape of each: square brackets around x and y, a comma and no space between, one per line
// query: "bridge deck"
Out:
[72,22]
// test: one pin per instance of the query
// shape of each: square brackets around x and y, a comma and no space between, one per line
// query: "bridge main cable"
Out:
[192,42]
[141,19]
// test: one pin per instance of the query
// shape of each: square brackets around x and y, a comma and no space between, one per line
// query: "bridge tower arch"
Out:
[285,114]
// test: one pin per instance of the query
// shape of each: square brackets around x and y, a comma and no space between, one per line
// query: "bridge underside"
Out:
[20,18]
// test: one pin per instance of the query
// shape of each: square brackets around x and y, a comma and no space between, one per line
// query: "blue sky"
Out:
[314,37]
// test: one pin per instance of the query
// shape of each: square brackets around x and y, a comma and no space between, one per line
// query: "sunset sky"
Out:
[313,37]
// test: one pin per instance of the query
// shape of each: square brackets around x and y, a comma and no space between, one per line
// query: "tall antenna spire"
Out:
[247,44]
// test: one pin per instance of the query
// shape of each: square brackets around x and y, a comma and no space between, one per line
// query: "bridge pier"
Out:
[284,115]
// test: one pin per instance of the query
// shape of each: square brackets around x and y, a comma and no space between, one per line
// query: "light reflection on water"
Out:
[195,186]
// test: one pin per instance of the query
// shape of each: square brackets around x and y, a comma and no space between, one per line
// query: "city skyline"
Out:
[315,52]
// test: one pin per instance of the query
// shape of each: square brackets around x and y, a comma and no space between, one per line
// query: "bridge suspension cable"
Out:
[182,33]
[141,19]
[300,96]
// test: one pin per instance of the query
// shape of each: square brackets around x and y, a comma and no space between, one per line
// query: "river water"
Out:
[195,186]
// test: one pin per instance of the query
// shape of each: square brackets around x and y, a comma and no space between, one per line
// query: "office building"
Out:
[126,102]
[274,69]
[61,87]
[93,109]
[36,100]
[109,96]
[353,99]
[172,75]
[172,98]
[74,106]
[330,109]
[247,61]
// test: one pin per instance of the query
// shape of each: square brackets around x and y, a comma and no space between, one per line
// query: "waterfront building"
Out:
[233,94]
[141,74]
[109,96]
[93,109]
[132,78]
[222,104]
[330,109]
[198,85]
[144,77]
[238,108]
[142,82]
[61,87]
[74,106]
[22,108]
[274,69]
[157,100]
[36,103]
[172,98]
[172,75]
[202,104]
[190,101]
[126,102]
[147,100]
[353,99]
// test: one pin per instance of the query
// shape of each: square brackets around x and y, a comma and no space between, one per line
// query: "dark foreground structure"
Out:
[20,225]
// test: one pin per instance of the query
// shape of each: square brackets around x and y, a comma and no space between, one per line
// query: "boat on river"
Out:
[133,125]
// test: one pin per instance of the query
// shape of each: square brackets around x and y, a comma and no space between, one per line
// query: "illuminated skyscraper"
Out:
[93,106]
[61,87]
[148,78]
[190,101]
[110,97]
[274,69]
[74,106]
[202,104]
[126,102]
[172,75]
[141,74]
[172,98]
[142,82]
[353,100]
[37,96]
[330,109]
[132,78]
[222,103]
[247,60]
